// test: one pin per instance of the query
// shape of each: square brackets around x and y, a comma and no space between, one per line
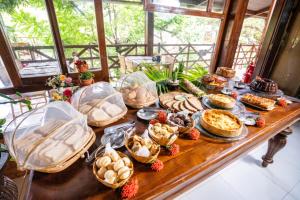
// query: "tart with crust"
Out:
[222,123]
[222,101]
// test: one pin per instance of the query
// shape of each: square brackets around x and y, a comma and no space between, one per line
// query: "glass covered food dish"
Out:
[138,90]
[101,103]
[48,139]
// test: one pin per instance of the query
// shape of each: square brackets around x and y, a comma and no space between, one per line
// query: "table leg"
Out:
[274,145]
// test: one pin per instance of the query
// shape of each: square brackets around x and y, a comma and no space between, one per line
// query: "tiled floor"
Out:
[245,179]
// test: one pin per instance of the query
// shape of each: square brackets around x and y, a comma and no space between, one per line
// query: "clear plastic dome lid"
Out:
[100,102]
[137,90]
[48,136]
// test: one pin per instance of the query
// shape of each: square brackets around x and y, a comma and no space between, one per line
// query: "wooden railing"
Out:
[245,54]
[190,54]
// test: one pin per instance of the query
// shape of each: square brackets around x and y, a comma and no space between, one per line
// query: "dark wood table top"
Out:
[196,161]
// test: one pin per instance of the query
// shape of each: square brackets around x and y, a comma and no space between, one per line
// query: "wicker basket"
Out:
[150,159]
[164,141]
[45,127]
[102,93]
[135,104]
[68,162]
[182,129]
[115,185]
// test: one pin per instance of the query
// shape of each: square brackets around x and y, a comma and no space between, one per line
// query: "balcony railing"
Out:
[190,54]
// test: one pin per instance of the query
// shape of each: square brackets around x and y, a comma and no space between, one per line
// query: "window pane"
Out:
[124,31]
[249,44]
[27,27]
[5,81]
[218,6]
[187,38]
[193,4]
[77,26]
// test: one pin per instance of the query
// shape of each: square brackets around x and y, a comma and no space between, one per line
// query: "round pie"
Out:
[221,122]
[222,101]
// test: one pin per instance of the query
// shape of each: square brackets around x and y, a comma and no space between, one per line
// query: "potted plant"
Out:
[86,78]
[81,66]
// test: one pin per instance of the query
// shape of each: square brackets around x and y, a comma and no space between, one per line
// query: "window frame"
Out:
[24,84]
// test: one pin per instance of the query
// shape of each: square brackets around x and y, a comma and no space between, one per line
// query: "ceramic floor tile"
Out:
[252,184]
[214,189]
[281,172]
[295,193]
[289,197]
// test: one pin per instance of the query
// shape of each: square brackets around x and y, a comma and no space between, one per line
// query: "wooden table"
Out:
[196,161]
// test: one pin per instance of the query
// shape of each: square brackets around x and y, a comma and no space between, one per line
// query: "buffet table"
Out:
[196,161]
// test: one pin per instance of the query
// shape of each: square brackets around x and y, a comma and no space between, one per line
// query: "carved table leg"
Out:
[275,144]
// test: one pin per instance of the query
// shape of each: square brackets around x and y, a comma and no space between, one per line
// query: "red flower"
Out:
[157,166]
[162,117]
[260,122]
[194,134]
[282,102]
[78,62]
[153,121]
[130,189]
[68,93]
[234,94]
[174,149]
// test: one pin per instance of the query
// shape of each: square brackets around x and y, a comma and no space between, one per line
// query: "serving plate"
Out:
[237,109]
[206,133]
[258,107]
[279,93]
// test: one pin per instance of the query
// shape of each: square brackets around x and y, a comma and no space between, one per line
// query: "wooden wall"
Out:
[286,70]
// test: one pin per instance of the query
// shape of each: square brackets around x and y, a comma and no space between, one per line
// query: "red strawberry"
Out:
[260,122]
[157,166]
[162,117]
[174,149]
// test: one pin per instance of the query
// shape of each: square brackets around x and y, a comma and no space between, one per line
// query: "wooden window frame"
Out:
[27,84]
[150,7]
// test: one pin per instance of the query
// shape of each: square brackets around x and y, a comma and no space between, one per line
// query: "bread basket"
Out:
[141,159]
[163,141]
[115,185]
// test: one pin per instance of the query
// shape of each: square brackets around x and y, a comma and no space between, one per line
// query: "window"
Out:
[177,36]
[195,4]
[124,32]
[28,30]
[5,81]
[78,32]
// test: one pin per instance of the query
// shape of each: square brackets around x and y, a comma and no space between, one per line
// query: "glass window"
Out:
[124,32]
[78,30]
[5,81]
[27,27]
[218,6]
[176,35]
[249,44]
[193,4]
